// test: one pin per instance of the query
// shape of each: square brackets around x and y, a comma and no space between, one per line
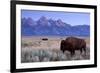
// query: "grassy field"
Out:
[34,49]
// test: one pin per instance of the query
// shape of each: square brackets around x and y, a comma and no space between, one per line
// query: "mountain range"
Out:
[46,27]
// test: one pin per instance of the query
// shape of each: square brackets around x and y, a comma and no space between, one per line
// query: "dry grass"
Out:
[51,43]
[52,55]
[34,49]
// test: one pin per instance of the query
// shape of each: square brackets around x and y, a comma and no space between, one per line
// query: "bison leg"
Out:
[81,50]
[63,51]
[84,50]
[72,52]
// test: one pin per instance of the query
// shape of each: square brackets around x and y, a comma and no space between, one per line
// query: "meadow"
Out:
[35,49]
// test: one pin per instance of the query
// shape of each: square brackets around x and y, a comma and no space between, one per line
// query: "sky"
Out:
[72,18]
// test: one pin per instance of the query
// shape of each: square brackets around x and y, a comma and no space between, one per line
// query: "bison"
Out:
[72,43]
[45,39]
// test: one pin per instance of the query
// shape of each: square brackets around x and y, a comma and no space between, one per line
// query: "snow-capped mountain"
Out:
[46,27]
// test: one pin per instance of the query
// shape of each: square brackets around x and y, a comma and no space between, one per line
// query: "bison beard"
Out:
[72,43]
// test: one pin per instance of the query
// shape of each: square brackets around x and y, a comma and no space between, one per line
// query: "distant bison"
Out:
[72,43]
[44,39]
